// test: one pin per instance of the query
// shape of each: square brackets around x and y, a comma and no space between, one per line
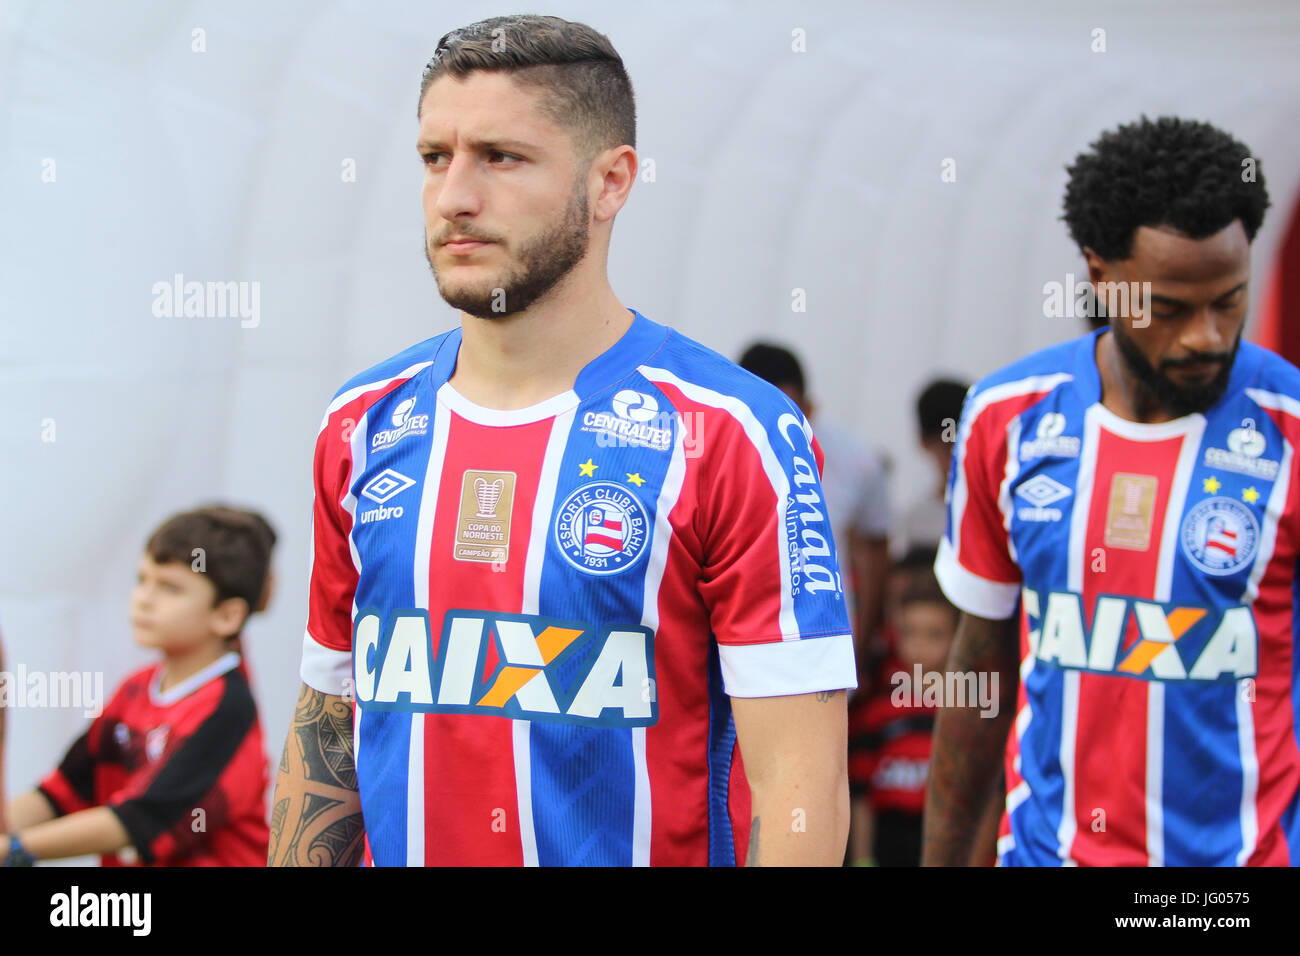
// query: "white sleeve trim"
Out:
[971,593]
[325,669]
[781,668]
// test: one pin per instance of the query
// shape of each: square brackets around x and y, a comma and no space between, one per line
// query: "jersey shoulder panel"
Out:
[699,365]
[1043,370]
[404,364]
[1272,374]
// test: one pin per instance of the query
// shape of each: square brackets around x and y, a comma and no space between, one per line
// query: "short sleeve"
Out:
[327,643]
[975,566]
[70,787]
[770,579]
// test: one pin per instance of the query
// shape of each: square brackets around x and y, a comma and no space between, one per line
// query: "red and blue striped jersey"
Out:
[542,614]
[1153,569]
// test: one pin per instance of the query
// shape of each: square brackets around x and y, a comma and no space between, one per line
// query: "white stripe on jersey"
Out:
[1069,730]
[1192,429]
[1193,432]
[522,749]
[356,464]
[1083,483]
[1268,532]
[1249,771]
[669,492]
[1155,794]
[1275,401]
[356,392]
[535,557]
[757,435]
[416,766]
[1010,472]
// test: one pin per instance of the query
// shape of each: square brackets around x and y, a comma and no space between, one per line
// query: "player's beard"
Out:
[543,260]
[1177,400]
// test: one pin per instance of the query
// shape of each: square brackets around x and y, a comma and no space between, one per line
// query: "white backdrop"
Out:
[128,157]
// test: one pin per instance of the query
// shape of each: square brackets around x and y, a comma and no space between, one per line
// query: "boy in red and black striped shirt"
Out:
[890,730]
[174,771]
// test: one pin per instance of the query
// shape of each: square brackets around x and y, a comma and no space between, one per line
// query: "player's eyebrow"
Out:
[1168,300]
[481,145]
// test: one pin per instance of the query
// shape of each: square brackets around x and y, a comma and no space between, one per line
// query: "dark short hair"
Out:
[1180,174]
[774,364]
[939,402]
[585,88]
[922,587]
[236,545]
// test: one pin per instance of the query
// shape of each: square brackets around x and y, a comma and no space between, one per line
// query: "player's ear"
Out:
[1097,266]
[228,617]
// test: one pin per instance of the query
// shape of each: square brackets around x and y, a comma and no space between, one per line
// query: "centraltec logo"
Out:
[1050,440]
[404,423]
[630,422]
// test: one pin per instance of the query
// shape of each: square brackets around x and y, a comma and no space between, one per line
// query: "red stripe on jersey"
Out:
[1110,763]
[981,534]
[448,738]
[333,575]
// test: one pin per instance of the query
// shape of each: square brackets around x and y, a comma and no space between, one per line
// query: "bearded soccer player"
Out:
[1122,536]
[571,566]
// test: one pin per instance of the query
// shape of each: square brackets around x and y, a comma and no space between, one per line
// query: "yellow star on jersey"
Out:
[636,479]
[587,469]
[1250,495]
[1211,484]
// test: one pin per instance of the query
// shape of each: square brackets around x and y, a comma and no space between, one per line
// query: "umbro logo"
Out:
[386,485]
[1041,491]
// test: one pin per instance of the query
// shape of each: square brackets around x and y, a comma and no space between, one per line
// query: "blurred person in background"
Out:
[890,729]
[938,409]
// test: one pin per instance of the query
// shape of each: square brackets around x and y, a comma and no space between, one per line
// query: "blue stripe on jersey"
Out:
[722,744]
[1200,799]
[1035,822]
[584,780]
[388,547]
[395,365]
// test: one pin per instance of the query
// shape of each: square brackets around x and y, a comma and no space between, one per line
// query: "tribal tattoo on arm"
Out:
[316,819]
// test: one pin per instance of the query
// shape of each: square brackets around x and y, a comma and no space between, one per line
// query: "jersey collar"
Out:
[165,698]
[1087,377]
[636,346]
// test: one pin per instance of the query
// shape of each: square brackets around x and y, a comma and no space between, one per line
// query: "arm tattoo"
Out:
[966,759]
[751,857]
[316,820]
[826,696]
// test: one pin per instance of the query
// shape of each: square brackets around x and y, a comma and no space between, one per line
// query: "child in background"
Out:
[889,732]
[174,771]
